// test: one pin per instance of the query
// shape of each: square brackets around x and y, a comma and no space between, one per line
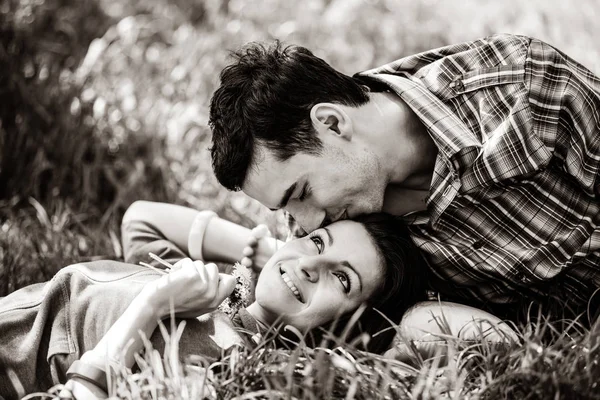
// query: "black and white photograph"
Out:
[319,199]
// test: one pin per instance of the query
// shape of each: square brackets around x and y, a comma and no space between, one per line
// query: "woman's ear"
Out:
[329,118]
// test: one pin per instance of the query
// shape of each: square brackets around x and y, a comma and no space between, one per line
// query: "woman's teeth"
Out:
[291,285]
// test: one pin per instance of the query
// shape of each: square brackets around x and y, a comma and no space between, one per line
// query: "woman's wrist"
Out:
[88,372]
[150,300]
[94,358]
[87,377]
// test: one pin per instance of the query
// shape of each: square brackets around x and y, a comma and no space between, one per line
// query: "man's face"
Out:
[339,183]
[310,281]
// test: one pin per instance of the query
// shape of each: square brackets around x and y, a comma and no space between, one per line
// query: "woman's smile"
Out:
[288,279]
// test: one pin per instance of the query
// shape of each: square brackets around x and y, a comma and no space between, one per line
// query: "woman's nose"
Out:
[308,268]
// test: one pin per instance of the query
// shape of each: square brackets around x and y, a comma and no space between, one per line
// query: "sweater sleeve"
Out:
[140,238]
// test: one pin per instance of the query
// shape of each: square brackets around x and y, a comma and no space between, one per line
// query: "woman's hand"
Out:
[265,249]
[260,247]
[191,289]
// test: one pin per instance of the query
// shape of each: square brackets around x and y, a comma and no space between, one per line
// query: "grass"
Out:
[548,362]
[103,102]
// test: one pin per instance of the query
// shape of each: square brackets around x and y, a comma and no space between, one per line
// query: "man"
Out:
[489,149]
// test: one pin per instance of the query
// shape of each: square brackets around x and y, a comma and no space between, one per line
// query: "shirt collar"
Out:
[447,131]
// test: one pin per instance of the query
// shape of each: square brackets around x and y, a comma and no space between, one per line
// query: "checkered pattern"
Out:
[514,202]
[514,205]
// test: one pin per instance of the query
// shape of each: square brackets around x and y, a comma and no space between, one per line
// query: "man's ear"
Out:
[329,118]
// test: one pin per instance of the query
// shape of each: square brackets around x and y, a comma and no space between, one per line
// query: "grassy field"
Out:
[103,102]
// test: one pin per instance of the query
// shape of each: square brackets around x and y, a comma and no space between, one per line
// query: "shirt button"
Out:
[457,84]
[477,245]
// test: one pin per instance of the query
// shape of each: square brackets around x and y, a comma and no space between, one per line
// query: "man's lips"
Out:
[342,215]
[288,279]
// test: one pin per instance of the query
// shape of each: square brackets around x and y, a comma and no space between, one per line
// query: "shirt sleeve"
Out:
[141,238]
[565,105]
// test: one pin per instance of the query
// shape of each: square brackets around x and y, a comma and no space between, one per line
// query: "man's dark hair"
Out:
[265,98]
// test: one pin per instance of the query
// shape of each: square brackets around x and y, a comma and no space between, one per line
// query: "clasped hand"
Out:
[191,289]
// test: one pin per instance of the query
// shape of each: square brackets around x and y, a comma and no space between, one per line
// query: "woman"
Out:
[95,311]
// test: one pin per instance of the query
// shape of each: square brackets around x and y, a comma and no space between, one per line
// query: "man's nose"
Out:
[308,219]
[308,268]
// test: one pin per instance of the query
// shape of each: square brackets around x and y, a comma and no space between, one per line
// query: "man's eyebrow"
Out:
[347,264]
[286,197]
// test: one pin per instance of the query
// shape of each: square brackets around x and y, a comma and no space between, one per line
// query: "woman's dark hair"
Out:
[404,283]
[405,278]
[265,98]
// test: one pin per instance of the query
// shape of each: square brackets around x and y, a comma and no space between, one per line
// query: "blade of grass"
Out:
[160,271]
[160,260]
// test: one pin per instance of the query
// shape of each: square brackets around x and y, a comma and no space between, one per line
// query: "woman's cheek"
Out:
[325,306]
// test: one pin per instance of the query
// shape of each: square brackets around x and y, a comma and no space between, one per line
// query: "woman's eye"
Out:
[344,280]
[318,242]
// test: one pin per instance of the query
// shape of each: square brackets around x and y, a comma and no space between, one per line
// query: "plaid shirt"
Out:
[514,203]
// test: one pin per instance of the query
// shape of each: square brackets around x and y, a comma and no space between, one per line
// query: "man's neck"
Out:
[401,201]
[407,149]
[408,153]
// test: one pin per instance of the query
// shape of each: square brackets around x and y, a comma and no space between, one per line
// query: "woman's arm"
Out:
[223,241]
[120,343]
[193,289]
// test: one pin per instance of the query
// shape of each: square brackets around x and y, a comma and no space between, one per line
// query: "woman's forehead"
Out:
[348,229]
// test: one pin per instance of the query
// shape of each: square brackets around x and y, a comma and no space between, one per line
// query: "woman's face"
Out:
[311,281]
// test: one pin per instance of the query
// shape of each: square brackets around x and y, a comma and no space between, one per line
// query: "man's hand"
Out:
[191,289]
